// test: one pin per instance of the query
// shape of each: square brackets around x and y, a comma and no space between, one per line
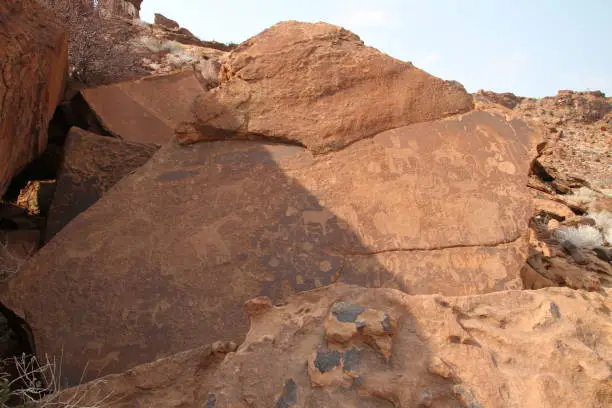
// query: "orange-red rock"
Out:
[318,85]
[172,252]
[145,110]
[34,64]
[545,348]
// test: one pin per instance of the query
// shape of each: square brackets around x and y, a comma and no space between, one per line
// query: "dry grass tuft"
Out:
[37,384]
[582,236]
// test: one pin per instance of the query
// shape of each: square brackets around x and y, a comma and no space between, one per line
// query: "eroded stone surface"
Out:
[181,244]
[33,67]
[544,348]
[318,85]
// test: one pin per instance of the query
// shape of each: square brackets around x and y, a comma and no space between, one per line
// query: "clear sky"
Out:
[529,47]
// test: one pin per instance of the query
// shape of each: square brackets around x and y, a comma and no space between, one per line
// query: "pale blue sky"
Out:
[531,48]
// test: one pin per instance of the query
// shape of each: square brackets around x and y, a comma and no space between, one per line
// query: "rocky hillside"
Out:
[300,220]
[571,184]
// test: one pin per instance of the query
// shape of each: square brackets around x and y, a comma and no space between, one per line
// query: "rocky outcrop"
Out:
[506,99]
[577,130]
[92,165]
[164,21]
[319,86]
[120,8]
[570,179]
[174,32]
[436,207]
[33,63]
[354,347]
[145,110]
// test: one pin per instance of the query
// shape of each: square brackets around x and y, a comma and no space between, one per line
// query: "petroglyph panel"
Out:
[171,254]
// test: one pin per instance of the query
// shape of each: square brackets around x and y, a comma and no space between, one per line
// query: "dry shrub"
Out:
[582,236]
[37,383]
[99,50]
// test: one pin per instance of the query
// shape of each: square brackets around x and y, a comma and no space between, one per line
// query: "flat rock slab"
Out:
[504,349]
[92,165]
[145,110]
[33,65]
[165,260]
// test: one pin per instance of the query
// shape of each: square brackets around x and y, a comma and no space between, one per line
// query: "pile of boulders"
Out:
[313,223]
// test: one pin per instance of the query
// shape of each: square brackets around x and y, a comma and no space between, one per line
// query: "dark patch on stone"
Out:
[454,339]
[360,324]
[466,397]
[211,401]
[347,312]
[426,398]
[289,395]
[471,342]
[604,254]
[351,359]
[176,175]
[604,309]
[494,360]
[444,303]
[386,324]
[554,309]
[327,359]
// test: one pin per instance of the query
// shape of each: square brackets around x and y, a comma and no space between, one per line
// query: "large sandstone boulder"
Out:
[353,347]
[92,165]
[34,64]
[165,259]
[319,86]
[145,110]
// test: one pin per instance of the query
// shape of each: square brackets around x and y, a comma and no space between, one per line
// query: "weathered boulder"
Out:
[554,209]
[145,110]
[166,22]
[34,64]
[172,251]
[92,164]
[319,86]
[544,348]
[506,99]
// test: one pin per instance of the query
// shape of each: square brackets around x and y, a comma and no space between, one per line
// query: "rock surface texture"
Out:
[145,110]
[120,8]
[171,253]
[578,135]
[571,231]
[33,66]
[92,165]
[320,87]
[354,347]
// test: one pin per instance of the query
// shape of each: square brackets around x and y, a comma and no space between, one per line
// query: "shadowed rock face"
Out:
[33,63]
[319,86]
[92,165]
[511,349]
[172,252]
[145,110]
